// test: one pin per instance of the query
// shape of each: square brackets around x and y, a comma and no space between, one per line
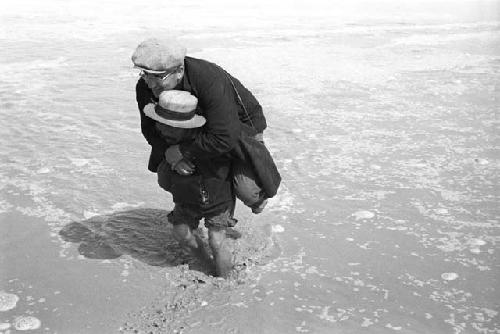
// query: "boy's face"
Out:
[176,135]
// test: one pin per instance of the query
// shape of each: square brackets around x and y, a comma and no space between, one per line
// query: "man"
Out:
[231,113]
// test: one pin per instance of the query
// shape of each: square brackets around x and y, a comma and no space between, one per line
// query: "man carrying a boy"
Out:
[231,112]
[204,193]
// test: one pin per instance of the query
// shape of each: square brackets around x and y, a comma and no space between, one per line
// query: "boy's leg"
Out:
[184,220]
[222,256]
[246,188]
[217,226]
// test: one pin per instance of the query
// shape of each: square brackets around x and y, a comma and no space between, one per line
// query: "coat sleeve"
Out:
[222,129]
[148,129]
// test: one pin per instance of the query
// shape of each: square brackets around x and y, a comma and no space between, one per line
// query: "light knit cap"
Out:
[159,56]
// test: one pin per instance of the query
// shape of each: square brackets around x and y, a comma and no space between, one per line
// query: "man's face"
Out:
[162,81]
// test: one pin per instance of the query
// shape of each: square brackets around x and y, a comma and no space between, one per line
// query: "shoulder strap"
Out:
[240,101]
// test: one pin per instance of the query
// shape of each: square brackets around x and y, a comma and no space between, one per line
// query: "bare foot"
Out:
[193,243]
[201,251]
[222,256]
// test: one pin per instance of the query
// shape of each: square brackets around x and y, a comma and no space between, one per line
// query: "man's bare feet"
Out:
[191,242]
[222,256]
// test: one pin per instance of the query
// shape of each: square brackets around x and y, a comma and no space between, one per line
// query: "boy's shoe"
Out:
[258,208]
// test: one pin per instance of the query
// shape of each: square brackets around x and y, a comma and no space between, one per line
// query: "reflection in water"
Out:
[144,234]
[92,246]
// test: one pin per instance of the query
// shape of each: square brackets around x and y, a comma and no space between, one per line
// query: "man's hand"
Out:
[184,167]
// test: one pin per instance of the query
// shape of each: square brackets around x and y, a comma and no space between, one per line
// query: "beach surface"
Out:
[383,120]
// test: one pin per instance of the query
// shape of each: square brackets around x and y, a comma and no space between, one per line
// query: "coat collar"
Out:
[185,83]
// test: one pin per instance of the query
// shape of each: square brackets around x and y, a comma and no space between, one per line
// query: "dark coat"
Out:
[218,104]
[229,129]
[209,188]
[255,153]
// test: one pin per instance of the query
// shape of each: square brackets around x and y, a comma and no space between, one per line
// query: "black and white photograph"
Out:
[250,167]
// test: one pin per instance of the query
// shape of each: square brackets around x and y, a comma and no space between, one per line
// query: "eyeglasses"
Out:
[159,76]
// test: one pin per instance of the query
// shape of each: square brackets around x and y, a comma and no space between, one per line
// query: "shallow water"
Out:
[383,121]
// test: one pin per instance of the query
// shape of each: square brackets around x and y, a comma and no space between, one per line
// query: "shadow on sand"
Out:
[144,234]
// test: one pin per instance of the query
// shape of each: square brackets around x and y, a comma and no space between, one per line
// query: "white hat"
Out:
[177,108]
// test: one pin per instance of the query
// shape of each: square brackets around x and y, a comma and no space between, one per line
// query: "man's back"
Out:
[203,75]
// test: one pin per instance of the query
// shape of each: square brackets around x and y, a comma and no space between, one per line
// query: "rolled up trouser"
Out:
[191,216]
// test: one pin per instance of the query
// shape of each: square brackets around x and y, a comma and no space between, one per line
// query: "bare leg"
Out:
[182,233]
[222,256]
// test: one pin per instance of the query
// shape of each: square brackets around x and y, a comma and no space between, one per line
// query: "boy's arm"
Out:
[184,166]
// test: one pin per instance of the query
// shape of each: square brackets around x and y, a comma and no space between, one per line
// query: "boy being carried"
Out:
[205,188]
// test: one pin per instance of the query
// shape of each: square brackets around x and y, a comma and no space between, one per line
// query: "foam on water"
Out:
[27,323]
[361,215]
[4,326]
[8,301]
[449,276]
[278,229]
